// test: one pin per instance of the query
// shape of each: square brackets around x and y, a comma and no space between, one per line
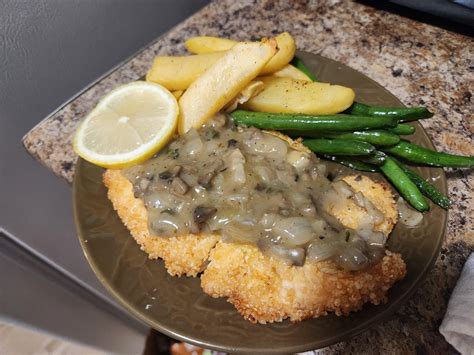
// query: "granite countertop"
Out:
[419,63]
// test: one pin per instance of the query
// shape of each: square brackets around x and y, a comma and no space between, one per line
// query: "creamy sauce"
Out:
[251,187]
[408,216]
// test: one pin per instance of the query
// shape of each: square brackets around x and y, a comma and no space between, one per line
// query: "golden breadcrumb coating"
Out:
[265,289]
[381,196]
[262,288]
[183,255]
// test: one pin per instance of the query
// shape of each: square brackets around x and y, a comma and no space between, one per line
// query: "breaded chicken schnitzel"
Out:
[263,288]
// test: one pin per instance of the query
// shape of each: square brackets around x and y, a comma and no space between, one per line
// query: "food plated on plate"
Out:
[220,190]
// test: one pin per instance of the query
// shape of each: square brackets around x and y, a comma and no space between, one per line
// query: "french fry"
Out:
[206,44]
[286,95]
[286,52]
[289,71]
[177,73]
[223,81]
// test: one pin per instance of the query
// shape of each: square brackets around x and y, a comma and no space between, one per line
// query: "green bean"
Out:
[403,129]
[378,158]
[421,155]
[350,163]
[404,114]
[300,122]
[338,147]
[404,185]
[375,137]
[298,63]
[428,189]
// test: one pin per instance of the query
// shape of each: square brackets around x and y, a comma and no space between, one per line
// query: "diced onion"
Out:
[319,251]
[217,222]
[160,199]
[239,174]
[189,176]
[264,173]
[165,226]
[143,184]
[218,183]
[294,230]
[239,232]
[376,239]
[286,177]
[299,160]
[291,255]
[194,144]
[268,145]
[342,188]
[362,201]
[321,228]
[352,259]
[269,219]
[236,162]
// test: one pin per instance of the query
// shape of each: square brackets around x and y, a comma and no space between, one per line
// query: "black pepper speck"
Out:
[397,72]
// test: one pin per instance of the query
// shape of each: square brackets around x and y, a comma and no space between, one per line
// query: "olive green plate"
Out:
[178,307]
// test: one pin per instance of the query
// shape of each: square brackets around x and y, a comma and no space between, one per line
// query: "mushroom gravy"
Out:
[250,186]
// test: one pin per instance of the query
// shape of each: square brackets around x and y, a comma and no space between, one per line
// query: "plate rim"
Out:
[360,328]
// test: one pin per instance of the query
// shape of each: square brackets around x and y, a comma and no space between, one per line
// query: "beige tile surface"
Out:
[17,340]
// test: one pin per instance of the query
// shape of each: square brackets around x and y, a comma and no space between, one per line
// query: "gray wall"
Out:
[49,50]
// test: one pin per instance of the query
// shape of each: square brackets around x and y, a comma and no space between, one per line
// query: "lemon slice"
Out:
[128,126]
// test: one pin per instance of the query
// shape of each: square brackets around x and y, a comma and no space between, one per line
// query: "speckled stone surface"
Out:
[419,63]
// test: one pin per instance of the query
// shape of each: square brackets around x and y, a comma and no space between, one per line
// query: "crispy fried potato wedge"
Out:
[177,73]
[223,81]
[289,71]
[206,44]
[286,95]
[252,89]
[286,52]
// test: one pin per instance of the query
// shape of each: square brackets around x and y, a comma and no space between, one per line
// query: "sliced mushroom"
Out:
[202,213]
[179,186]
[171,173]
